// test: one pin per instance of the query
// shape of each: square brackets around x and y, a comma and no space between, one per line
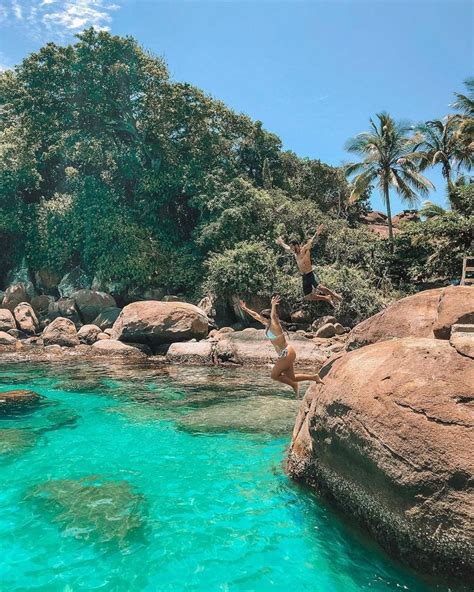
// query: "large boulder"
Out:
[90,303]
[75,280]
[64,308]
[26,319]
[47,281]
[62,332]
[155,322]
[15,294]
[427,314]
[107,317]
[7,320]
[389,437]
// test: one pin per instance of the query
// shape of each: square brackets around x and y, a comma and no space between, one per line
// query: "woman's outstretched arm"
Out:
[274,313]
[252,313]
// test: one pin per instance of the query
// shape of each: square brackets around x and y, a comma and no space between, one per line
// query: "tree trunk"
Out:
[389,215]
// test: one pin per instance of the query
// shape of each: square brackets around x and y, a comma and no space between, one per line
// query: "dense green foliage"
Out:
[108,164]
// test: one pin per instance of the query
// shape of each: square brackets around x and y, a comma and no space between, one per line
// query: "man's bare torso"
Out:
[303,260]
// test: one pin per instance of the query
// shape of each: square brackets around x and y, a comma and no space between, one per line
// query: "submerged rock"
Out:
[154,322]
[264,414]
[16,441]
[427,314]
[389,437]
[17,399]
[108,511]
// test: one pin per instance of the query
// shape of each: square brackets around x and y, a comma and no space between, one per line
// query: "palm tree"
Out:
[388,159]
[430,210]
[440,142]
[465,103]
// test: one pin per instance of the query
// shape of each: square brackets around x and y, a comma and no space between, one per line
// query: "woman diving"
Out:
[283,370]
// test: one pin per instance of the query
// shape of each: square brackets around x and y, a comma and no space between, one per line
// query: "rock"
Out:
[102,336]
[61,331]
[17,399]
[212,333]
[389,437]
[7,320]
[88,334]
[318,323]
[462,339]
[112,347]
[73,281]
[91,509]
[207,305]
[108,332]
[17,334]
[427,314]
[107,317]
[225,330]
[64,308]
[47,282]
[14,295]
[265,414]
[26,319]
[40,304]
[6,338]
[155,322]
[340,330]
[189,352]
[327,330]
[91,303]
[302,317]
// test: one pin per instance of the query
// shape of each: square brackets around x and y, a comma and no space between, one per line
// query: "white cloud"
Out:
[58,18]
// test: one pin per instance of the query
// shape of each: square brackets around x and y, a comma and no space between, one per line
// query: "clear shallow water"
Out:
[129,479]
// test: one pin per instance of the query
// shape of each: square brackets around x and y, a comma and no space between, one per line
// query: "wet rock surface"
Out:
[17,400]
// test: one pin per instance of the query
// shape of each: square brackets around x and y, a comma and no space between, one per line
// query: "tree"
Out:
[388,159]
[439,142]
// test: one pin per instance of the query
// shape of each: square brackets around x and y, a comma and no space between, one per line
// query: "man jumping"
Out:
[302,255]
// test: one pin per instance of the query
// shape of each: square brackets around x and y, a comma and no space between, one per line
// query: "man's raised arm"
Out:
[281,242]
[311,241]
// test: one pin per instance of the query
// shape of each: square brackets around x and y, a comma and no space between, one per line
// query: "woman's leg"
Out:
[290,373]
[279,374]
[314,296]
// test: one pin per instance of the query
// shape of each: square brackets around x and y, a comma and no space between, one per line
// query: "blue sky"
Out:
[313,72]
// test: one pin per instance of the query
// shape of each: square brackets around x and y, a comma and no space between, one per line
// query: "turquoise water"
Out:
[149,479]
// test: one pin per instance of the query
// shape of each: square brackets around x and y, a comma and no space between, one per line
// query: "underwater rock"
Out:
[262,414]
[16,441]
[61,332]
[107,511]
[389,437]
[154,322]
[17,399]
[430,313]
